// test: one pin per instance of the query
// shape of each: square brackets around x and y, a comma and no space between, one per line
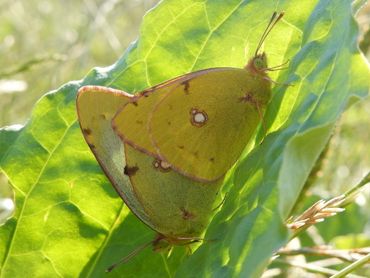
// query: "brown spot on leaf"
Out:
[139,122]
[130,171]
[169,123]
[181,147]
[103,117]
[212,159]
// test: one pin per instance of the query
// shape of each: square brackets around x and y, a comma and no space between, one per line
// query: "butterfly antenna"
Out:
[274,19]
[129,256]
[264,33]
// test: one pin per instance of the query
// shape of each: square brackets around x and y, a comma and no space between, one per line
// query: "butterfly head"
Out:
[260,62]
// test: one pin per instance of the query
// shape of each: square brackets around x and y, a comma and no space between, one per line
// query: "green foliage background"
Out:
[69,221]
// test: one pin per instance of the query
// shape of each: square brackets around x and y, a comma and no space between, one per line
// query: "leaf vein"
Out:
[12,237]
[106,240]
[211,33]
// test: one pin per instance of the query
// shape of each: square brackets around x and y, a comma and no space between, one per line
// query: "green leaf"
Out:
[68,219]
[8,134]
[351,241]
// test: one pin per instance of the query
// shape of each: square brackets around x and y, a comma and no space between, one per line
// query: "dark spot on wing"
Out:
[86,131]
[249,98]
[186,86]
[212,159]
[92,146]
[139,122]
[130,171]
[181,147]
[169,123]
[186,215]
[102,116]
[147,92]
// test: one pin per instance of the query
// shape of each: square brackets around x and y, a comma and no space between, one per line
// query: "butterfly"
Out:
[167,149]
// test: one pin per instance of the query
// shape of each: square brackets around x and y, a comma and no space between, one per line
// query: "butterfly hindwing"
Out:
[95,108]
[177,206]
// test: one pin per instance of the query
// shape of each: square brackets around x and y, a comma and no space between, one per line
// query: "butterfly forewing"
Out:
[202,126]
[131,121]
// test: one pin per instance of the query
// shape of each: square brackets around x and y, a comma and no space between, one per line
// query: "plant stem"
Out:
[309,267]
[345,271]
[353,191]
[34,61]
[344,255]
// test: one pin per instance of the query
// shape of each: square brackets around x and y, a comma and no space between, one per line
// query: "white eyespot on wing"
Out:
[198,117]
[161,165]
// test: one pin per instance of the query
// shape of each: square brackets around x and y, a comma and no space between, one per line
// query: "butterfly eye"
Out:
[259,63]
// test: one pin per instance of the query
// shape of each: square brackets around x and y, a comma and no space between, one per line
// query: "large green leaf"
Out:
[69,221]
